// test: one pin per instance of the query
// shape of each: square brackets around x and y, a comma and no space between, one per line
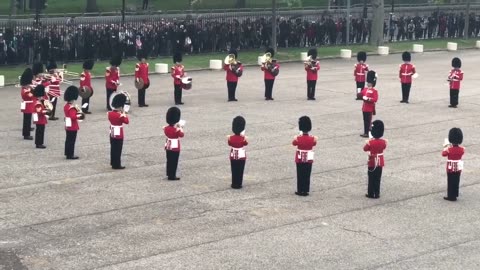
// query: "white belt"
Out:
[455,165]
[28,101]
[309,157]
[406,74]
[238,153]
[116,130]
[360,73]
[171,143]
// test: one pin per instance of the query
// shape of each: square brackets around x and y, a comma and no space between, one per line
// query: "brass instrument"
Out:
[234,64]
[48,106]
[230,60]
[126,107]
[266,58]
[80,113]
[310,63]
[267,61]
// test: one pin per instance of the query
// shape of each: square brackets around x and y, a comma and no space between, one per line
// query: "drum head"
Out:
[85,92]
[139,84]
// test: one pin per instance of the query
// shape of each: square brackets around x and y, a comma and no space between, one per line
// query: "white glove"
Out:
[365,98]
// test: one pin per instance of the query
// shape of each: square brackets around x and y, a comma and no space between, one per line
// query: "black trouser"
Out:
[311,88]
[172,163]
[27,124]
[360,85]
[454,97]
[453,180]
[237,172]
[304,170]
[85,100]
[39,134]
[177,93]
[141,95]
[374,178]
[367,121]
[109,93]
[54,103]
[116,146]
[70,143]
[269,88]
[406,91]
[232,87]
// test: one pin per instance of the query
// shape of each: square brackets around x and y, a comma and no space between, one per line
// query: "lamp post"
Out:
[467,20]
[347,40]
[274,25]
[123,12]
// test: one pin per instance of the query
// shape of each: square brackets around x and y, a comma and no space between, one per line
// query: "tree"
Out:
[378,11]
[91,6]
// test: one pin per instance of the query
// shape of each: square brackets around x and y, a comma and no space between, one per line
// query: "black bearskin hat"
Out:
[271,51]
[39,91]
[238,125]
[173,115]
[177,57]
[119,101]
[313,53]
[361,56]
[234,52]
[456,62]
[304,124]
[377,129]
[455,136]
[88,64]
[71,93]
[51,65]
[372,77]
[37,68]
[406,56]
[141,55]
[27,77]
[116,60]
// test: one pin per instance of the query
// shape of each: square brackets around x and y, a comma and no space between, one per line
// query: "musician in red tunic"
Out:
[112,78]
[27,105]
[312,66]
[117,118]
[454,153]
[370,97]
[238,156]
[40,116]
[304,155]
[407,70]
[72,116]
[234,70]
[141,72]
[455,77]
[178,72]
[376,161]
[270,70]
[173,131]
[360,72]
[54,87]
[38,75]
[86,81]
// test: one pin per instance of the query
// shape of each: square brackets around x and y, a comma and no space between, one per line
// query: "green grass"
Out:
[201,61]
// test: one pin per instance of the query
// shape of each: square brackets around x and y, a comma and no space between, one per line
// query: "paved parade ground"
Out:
[81,214]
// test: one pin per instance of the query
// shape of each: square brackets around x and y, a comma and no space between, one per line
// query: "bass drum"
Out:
[85,92]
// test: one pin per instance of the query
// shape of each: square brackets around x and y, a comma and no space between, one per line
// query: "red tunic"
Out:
[305,144]
[178,71]
[112,78]
[231,76]
[267,75]
[360,71]
[116,124]
[173,133]
[375,148]
[28,99]
[312,72]
[406,72]
[237,142]
[86,79]
[370,97]
[454,158]
[141,71]
[40,112]
[70,111]
[455,76]
[54,86]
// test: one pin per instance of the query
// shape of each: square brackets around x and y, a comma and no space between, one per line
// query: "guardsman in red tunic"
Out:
[370,97]
[407,71]
[28,102]
[40,116]
[238,156]
[86,81]
[54,87]
[141,72]
[38,75]
[178,72]
[117,118]
[375,148]
[234,70]
[455,77]
[112,78]
[304,155]
[173,132]
[454,153]
[360,72]
[72,115]
[270,70]
[312,66]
